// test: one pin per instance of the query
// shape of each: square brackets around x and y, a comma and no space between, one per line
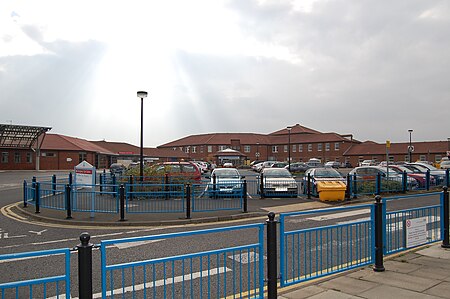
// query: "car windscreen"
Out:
[230,173]
[326,173]
[277,172]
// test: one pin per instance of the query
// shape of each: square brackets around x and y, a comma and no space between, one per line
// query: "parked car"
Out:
[225,182]
[313,162]
[279,165]
[332,164]
[228,164]
[445,164]
[203,166]
[346,165]
[257,167]
[278,182]
[367,163]
[370,173]
[267,164]
[179,171]
[438,174]
[117,169]
[298,167]
[320,174]
[420,177]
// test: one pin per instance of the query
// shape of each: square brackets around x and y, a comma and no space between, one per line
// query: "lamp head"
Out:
[142,94]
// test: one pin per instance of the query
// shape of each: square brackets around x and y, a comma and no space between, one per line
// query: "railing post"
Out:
[68,201]
[447,179]
[261,185]
[130,188]
[445,215]
[188,201]
[122,202]
[355,186]
[70,179]
[101,183]
[272,275]
[347,189]
[166,186]
[378,235]
[54,184]
[33,187]
[308,186]
[244,196]
[114,187]
[25,194]
[404,181]
[214,179]
[85,267]
[37,198]
[427,176]
[378,184]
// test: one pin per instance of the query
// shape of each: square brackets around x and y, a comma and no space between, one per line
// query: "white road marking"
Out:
[246,258]
[38,233]
[134,244]
[158,283]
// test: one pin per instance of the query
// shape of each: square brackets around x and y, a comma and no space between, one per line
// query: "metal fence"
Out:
[214,273]
[27,284]
[238,270]
[318,251]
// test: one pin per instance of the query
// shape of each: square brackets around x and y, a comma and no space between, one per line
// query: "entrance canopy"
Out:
[16,136]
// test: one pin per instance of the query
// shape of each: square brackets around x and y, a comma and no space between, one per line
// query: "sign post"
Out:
[85,179]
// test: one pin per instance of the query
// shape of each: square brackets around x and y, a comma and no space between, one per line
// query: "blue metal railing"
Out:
[211,273]
[314,252]
[36,287]
[155,198]
[88,198]
[220,196]
[394,228]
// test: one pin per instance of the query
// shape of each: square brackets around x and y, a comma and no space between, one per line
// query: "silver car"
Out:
[278,182]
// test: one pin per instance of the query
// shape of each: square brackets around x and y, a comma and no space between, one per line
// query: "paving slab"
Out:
[390,292]
[331,294]
[401,267]
[432,273]
[400,280]
[296,207]
[348,285]
[306,292]
[432,262]
[441,290]
[435,251]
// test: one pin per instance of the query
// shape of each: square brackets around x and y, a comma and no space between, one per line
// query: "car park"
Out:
[182,171]
[313,162]
[203,166]
[117,169]
[279,165]
[266,164]
[420,177]
[298,167]
[225,182]
[316,175]
[278,182]
[332,164]
[438,174]
[370,173]
[257,167]
[367,163]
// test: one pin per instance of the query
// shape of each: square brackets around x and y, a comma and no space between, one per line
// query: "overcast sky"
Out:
[371,68]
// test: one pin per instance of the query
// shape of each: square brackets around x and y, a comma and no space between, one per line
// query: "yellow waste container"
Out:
[331,190]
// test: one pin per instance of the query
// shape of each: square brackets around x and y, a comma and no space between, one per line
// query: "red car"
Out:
[180,170]
[419,177]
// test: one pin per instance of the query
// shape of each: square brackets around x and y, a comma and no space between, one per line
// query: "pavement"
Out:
[423,272]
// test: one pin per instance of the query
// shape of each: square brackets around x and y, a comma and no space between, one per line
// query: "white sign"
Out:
[84,174]
[415,231]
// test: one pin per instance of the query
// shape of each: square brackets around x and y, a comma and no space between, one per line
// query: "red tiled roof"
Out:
[164,153]
[61,142]
[119,147]
[372,148]
[308,138]
[297,129]
[219,139]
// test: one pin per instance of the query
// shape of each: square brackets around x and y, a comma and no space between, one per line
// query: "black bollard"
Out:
[378,235]
[445,207]
[85,266]
[122,202]
[68,202]
[272,275]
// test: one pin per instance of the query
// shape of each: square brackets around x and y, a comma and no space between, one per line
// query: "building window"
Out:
[202,148]
[294,148]
[319,147]
[81,156]
[194,149]
[300,148]
[29,158]
[222,147]
[310,147]
[423,158]
[47,154]
[174,148]
[274,148]
[327,147]
[285,148]
[391,159]
[209,148]
[5,156]
[336,146]
[437,158]
[247,148]
[186,149]
[407,158]
[17,158]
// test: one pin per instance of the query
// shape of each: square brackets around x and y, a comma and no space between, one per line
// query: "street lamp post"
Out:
[142,95]
[410,146]
[289,147]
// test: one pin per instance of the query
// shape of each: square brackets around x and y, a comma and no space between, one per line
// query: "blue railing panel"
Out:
[155,198]
[216,273]
[318,251]
[219,196]
[89,198]
[25,284]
